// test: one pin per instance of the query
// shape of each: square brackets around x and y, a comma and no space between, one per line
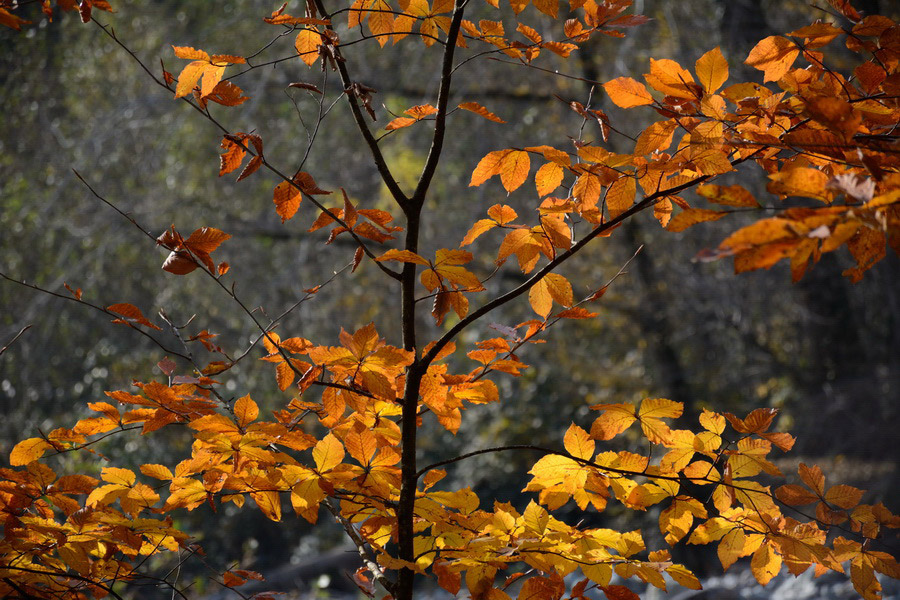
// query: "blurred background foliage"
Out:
[824,351]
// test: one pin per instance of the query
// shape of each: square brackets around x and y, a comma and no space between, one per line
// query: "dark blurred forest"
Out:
[823,351]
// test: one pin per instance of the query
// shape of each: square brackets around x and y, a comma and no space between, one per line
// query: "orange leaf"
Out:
[287,200]
[28,450]
[627,92]
[514,169]
[656,137]
[179,262]
[245,411]
[552,287]
[844,496]
[131,314]
[206,239]
[670,78]
[620,196]
[399,123]
[12,21]
[712,70]
[548,178]
[488,167]
[189,77]
[732,195]
[692,216]
[774,56]
[765,564]
[403,256]
[189,53]
[480,110]
[307,45]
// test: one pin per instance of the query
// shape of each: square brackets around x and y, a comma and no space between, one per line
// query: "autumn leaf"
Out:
[130,314]
[307,44]
[620,196]
[553,287]
[480,110]
[774,56]
[203,66]
[656,137]
[28,450]
[670,78]
[286,198]
[12,21]
[626,92]
[712,70]
[692,216]
[514,168]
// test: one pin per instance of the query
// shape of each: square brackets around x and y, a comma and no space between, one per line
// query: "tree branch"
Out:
[386,176]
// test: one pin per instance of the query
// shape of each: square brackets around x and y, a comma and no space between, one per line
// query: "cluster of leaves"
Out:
[346,439]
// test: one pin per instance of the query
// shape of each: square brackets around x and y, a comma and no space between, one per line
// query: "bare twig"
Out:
[15,337]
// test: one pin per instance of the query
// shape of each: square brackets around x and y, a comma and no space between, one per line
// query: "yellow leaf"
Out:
[578,443]
[765,564]
[306,495]
[328,453]
[269,502]
[683,577]
[157,472]
[627,92]
[381,21]
[712,70]
[650,413]
[212,75]
[307,45]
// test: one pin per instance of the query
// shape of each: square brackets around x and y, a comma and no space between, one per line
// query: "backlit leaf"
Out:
[480,110]
[774,56]
[627,92]
[131,314]
[307,45]
[712,70]
[28,450]
[328,453]
[245,411]
[692,216]
[514,168]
